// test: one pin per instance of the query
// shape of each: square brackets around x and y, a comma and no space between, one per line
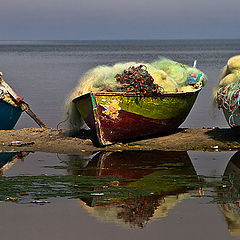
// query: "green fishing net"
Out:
[227,92]
[168,74]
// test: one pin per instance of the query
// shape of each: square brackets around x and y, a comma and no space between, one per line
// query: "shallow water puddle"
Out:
[126,190]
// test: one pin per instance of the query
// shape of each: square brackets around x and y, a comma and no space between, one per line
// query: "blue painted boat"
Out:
[9,115]
[12,106]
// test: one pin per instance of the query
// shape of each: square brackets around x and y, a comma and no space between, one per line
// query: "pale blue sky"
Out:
[122,19]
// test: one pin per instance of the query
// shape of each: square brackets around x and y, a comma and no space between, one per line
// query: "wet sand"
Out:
[56,141]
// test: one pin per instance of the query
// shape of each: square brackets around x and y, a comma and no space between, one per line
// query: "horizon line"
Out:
[137,39]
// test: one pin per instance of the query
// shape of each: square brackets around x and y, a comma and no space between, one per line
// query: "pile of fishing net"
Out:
[227,94]
[169,75]
[137,80]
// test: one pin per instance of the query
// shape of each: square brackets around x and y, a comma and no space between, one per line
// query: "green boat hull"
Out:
[118,116]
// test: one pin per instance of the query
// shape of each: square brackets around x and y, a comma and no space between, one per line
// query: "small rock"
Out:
[39,202]
[12,198]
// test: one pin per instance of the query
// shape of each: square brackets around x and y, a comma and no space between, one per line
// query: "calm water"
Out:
[44,72]
[162,195]
[130,195]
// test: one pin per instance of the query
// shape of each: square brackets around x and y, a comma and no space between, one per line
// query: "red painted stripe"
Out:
[130,125]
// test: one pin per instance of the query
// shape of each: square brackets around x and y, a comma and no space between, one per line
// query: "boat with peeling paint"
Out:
[10,110]
[118,116]
[9,115]
[12,106]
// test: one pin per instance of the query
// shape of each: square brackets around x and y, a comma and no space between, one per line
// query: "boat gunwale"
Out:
[123,94]
[9,104]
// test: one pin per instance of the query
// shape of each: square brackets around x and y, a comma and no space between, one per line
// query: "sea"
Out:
[123,195]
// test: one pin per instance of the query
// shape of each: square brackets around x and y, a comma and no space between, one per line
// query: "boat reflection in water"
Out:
[7,159]
[229,195]
[150,183]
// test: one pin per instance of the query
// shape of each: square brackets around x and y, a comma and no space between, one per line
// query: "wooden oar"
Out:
[24,106]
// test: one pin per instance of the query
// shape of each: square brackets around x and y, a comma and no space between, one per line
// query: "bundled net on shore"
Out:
[227,93]
[160,76]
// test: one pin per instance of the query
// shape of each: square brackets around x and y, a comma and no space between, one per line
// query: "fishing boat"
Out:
[9,115]
[116,116]
[228,100]
[12,106]
[229,118]
[227,93]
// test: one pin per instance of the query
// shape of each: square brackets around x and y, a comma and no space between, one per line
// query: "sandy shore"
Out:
[55,141]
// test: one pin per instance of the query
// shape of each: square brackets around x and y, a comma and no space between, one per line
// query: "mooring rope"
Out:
[62,121]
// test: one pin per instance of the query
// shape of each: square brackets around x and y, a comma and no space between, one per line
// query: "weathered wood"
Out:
[25,107]
[121,116]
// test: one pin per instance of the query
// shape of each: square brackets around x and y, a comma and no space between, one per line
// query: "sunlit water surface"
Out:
[129,194]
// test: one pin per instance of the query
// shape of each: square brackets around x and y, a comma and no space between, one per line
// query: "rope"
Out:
[138,80]
[62,122]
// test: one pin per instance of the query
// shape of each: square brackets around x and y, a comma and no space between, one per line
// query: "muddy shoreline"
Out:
[56,141]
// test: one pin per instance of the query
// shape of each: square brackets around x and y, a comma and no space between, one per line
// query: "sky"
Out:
[122,19]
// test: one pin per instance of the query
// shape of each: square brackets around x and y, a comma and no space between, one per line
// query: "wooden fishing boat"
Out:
[236,116]
[9,115]
[12,106]
[228,100]
[118,116]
